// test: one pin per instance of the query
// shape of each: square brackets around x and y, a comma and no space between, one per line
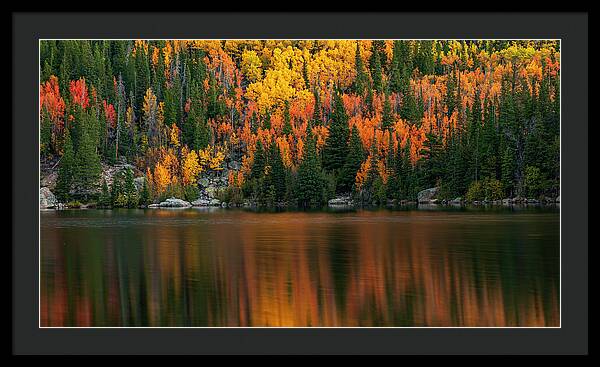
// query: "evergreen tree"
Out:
[352,164]
[104,200]
[432,159]
[360,82]
[45,134]
[195,130]
[145,194]
[305,74]
[310,182]
[317,120]
[336,145]
[86,167]
[409,109]
[387,120]
[64,180]
[258,166]
[277,172]
[376,69]
[117,195]
[130,189]
[267,121]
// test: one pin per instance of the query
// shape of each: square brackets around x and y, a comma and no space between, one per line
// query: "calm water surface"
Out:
[237,268]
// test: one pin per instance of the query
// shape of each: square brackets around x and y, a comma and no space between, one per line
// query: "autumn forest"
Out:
[297,123]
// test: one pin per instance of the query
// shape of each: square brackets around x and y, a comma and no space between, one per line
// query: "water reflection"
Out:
[236,268]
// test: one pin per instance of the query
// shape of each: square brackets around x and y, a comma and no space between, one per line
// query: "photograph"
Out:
[299,183]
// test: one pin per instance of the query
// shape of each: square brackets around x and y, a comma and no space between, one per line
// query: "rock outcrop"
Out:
[139,182]
[207,202]
[456,201]
[171,203]
[210,186]
[340,201]
[47,199]
[427,196]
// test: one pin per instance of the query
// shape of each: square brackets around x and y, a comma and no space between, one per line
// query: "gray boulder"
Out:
[139,182]
[457,200]
[49,180]
[234,165]
[426,196]
[47,199]
[171,203]
[340,201]
[201,202]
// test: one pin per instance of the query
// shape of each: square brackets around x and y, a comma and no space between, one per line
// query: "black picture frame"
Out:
[570,28]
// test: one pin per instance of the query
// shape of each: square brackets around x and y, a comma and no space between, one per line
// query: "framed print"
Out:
[293,189]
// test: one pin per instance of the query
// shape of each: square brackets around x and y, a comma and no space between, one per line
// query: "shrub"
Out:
[475,191]
[534,184]
[493,189]
[190,193]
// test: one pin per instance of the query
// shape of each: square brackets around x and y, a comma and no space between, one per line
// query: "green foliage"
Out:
[493,189]
[475,192]
[506,146]
[232,195]
[310,179]
[104,199]
[336,145]
[130,190]
[376,68]
[534,183]
[387,120]
[86,166]
[65,171]
[352,164]
[145,199]
[278,174]
[487,189]
[258,166]
[360,82]
[190,192]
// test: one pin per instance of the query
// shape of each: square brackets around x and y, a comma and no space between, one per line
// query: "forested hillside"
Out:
[301,122]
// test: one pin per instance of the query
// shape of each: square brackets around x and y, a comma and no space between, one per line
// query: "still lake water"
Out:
[222,267]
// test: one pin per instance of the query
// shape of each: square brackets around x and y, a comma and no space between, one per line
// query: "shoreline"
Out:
[328,208]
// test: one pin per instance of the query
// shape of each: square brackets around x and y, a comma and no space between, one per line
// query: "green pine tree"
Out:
[360,82]
[104,200]
[130,190]
[145,195]
[352,164]
[336,145]
[278,173]
[64,180]
[258,166]
[387,120]
[87,167]
[376,69]
[310,182]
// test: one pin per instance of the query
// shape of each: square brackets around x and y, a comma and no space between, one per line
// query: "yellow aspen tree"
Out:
[191,168]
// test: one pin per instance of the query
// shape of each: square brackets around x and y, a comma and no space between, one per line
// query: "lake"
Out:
[225,267]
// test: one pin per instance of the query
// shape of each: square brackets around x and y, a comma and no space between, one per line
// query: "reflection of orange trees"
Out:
[289,270]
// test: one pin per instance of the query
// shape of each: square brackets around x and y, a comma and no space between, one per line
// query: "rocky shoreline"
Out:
[210,187]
